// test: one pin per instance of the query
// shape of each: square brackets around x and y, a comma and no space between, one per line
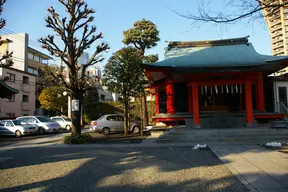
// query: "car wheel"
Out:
[18,133]
[41,130]
[68,127]
[105,131]
[136,129]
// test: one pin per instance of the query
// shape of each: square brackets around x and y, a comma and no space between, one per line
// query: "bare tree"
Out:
[234,11]
[7,56]
[71,47]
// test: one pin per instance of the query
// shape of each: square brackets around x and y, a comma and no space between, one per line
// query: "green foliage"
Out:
[52,99]
[143,35]
[78,139]
[118,108]
[91,105]
[121,74]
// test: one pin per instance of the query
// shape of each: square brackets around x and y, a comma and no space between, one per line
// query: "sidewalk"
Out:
[256,167]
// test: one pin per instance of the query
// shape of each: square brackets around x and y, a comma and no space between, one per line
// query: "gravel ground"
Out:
[115,169]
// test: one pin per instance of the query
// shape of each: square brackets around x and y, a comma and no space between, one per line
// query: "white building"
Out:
[22,74]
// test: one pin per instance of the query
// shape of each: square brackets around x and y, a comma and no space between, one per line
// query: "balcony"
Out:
[278,52]
[26,106]
[278,45]
[35,64]
[276,33]
[26,88]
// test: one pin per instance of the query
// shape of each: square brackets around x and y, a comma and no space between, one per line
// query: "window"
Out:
[29,120]
[2,123]
[44,119]
[36,58]
[12,99]
[25,98]
[33,71]
[11,77]
[25,80]
[120,118]
[112,118]
[30,55]
[9,124]
[102,97]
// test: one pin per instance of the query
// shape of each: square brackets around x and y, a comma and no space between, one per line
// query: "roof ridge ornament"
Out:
[207,43]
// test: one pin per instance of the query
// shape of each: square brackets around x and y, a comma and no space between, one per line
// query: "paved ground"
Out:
[259,168]
[114,169]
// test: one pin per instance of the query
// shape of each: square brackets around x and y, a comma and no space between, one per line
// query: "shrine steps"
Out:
[238,135]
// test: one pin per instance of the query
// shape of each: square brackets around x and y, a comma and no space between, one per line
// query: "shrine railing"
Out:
[281,108]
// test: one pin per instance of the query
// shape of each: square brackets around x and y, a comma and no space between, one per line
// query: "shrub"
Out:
[78,139]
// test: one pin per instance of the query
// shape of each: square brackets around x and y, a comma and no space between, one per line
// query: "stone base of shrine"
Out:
[217,119]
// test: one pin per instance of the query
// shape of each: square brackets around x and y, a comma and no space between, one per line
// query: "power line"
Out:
[7,31]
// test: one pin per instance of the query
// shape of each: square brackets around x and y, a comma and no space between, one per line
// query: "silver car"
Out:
[112,123]
[16,127]
[44,124]
[65,123]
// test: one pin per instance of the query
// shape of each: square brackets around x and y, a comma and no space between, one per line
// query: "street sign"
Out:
[75,105]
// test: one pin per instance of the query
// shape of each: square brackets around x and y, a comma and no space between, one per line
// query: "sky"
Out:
[112,17]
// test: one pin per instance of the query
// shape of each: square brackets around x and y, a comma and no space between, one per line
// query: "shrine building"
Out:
[217,83]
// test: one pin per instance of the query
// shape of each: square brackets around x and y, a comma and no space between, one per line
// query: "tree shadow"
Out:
[117,169]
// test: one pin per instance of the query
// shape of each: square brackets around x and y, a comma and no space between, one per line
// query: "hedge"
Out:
[104,108]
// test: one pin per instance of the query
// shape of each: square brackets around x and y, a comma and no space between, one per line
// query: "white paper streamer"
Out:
[216,89]
[236,87]
[227,89]
[232,89]
[205,88]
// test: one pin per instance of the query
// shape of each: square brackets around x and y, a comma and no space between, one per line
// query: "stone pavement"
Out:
[258,168]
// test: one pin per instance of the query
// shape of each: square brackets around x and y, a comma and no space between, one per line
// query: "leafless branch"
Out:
[243,9]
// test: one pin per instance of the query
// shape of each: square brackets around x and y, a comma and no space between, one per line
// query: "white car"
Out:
[17,128]
[44,124]
[65,123]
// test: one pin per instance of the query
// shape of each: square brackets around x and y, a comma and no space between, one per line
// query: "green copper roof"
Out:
[6,91]
[207,54]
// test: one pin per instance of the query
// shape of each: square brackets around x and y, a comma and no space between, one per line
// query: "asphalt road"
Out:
[114,169]
[7,140]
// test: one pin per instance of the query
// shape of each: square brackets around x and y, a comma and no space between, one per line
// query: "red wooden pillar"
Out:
[195,101]
[157,99]
[170,97]
[257,95]
[260,92]
[240,98]
[248,100]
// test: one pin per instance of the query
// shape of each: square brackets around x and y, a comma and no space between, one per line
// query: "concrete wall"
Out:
[19,46]
[18,107]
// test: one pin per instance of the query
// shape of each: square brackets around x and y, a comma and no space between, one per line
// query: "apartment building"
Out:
[22,75]
[277,23]
[22,103]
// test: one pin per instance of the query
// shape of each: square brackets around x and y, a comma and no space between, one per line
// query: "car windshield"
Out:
[67,119]
[100,118]
[44,119]
[19,122]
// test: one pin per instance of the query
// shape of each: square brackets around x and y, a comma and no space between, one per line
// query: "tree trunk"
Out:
[141,109]
[145,112]
[126,124]
[76,116]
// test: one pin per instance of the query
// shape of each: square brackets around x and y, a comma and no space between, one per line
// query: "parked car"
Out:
[43,124]
[65,123]
[16,127]
[112,123]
